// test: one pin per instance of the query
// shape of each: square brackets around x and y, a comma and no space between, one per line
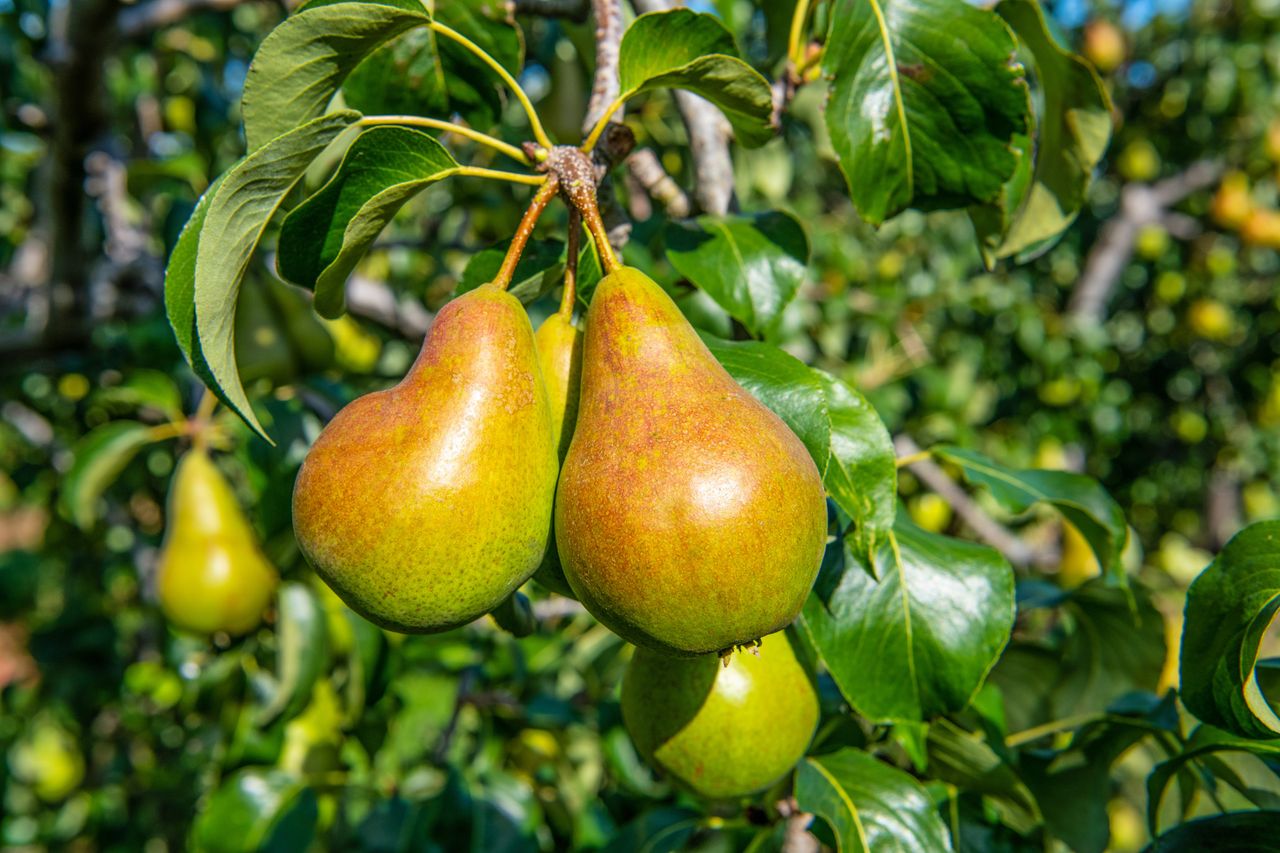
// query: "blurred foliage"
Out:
[116,731]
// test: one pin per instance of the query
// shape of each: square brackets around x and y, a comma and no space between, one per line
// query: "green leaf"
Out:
[301,63]
[1204,741]
[751,265]
[862,477]
[912,632]
[925,103]
[1230,606]
[99,457]
[785,385]
[256,809]
[969,762]
[870,806]
[180,279]
[1072,133]
[422,73]
[539,271]
[1239,832]
[323,238]
[302,652]
[1073,786]
[1082,500]
[683,49]
[246,199]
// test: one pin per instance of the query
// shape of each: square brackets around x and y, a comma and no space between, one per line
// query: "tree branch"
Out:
[1140,205]
[604,87]
[709,135]
[654,180]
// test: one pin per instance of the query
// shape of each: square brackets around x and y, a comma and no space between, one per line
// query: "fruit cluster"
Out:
[623,466]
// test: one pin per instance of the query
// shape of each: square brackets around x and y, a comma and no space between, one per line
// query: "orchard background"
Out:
[1053,281]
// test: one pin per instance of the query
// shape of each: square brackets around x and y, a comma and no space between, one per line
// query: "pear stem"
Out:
[450,127]
[572,250]
[578,183]
[535,124]
[795,38]
[525,230]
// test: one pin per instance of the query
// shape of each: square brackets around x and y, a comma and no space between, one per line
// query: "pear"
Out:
[424,506]
[689,519]
[212,574]
[559,344]
[721,731]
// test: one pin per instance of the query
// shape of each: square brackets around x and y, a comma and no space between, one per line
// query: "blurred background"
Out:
[1143,349]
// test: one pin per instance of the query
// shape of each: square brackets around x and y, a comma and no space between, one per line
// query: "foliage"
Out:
[971,701]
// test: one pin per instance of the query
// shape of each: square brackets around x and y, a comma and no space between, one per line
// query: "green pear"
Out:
[212,574]
[689,519]
[424,506]
[721,731]
[559,344]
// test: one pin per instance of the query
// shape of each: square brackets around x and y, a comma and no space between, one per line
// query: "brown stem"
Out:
[524,231]
[578,183]
[572,249]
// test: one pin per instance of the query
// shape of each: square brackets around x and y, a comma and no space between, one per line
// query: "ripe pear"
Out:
[689,519]
[424,506]
[559,344]
[212,575]
[721,731]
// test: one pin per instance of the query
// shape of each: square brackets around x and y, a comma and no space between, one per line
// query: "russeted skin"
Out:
[425,505]
[212,574]
[689,518]
[559,344]
[721,731]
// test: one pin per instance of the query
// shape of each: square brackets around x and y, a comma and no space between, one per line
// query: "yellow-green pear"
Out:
[424,506]
[689,518]
[213,575]
[559,344]
[721,731]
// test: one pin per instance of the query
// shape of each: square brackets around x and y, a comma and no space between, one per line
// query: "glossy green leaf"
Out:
[180,279]
[256,809]
[1073,128]
[869,805]
[1238,832]
[301,63]
[911,632]
[98,458]
[1082,500]
[682,49]
[325,236]
[751,265]
[785,385]
[862,477]
[925,103]
[422,73]
[246,199]
[302,651]
[1230,606]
